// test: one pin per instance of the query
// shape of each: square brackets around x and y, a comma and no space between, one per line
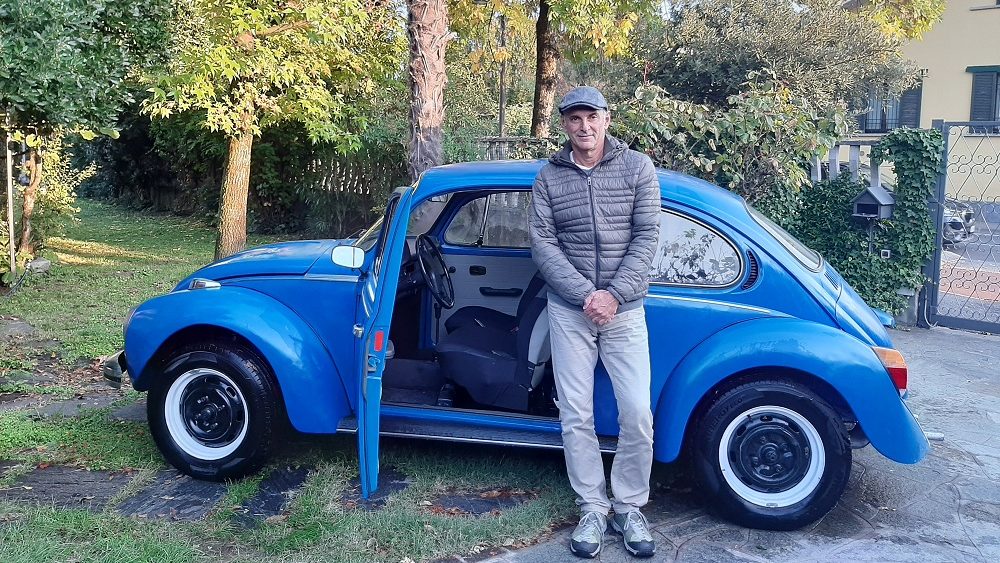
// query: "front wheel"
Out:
[214,411]
[772,455]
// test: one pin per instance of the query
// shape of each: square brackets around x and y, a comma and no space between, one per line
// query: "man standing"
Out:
[594,227]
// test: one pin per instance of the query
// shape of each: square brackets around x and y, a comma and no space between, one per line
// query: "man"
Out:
[594,227]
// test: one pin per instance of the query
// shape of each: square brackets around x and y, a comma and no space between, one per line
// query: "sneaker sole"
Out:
[585,554]
[634,552]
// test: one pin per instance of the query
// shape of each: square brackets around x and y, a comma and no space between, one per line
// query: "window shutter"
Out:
[984,96]
[909,106]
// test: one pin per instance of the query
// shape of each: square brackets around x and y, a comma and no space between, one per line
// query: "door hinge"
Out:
[358,331]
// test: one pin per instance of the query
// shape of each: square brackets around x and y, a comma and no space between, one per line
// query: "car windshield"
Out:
[809,257]
[368,238]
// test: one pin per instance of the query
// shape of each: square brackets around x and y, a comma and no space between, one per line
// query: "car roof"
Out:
[674,186]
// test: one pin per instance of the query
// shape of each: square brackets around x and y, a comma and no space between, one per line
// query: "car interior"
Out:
[469,328]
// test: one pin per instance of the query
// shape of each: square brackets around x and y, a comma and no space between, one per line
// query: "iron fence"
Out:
[964,278]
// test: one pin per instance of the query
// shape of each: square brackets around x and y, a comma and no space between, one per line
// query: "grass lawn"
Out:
[113,259]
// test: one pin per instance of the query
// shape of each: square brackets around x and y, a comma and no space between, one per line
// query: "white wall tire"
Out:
[184,428]
[802,488]
[214,411]
[771,454]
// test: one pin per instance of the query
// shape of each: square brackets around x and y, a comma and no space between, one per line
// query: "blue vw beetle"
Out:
[767,367]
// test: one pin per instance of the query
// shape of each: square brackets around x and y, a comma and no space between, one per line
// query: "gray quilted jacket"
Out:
[596,229]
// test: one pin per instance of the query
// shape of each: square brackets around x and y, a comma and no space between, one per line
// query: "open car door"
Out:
[377,290]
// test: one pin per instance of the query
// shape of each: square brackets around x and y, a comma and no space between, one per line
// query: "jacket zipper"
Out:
[597,236]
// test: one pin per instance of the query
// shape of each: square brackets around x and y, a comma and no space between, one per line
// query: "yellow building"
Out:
[959,60]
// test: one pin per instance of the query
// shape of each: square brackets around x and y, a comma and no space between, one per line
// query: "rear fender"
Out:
[313,390]
[846,364]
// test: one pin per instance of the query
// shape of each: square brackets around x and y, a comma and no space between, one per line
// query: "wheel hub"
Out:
[212,410]
[769,453]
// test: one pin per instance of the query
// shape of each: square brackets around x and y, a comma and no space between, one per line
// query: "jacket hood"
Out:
[613,148]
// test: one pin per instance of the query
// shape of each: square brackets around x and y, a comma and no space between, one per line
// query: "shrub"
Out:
[758,146]
[827,226]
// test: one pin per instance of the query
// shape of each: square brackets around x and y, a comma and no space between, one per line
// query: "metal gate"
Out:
[964,287]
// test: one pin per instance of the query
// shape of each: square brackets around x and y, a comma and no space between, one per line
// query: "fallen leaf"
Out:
[277,518]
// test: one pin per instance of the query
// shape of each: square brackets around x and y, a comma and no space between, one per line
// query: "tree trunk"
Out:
[232,236]
[546,63]
[34,167]
[428,31]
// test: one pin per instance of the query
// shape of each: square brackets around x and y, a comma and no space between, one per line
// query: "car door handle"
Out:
[497,292]
[477,270]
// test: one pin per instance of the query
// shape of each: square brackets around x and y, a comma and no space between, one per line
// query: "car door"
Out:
[487,248]
[376,296]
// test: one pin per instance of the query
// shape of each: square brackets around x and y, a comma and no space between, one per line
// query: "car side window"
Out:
[499,220]
[467,225]
[507,220]
[693,254]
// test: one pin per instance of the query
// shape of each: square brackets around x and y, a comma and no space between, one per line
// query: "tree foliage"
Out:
[758,145]
[249,64]
[245,65]
[908,19]
[823,52]
[69,65]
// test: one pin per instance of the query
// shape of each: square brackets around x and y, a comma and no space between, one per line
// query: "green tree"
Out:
[582,29]
[68,64]
[244,65]
[821,51]
[908,19]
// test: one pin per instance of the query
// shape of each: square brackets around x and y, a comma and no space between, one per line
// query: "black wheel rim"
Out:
[769,453]
[212,410]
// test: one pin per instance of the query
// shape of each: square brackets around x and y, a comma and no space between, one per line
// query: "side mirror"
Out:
[348,256]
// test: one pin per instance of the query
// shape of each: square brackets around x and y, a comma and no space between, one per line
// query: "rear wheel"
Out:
[214,411]
[772,455]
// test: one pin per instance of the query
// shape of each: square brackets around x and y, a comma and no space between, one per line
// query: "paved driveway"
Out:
[947,508]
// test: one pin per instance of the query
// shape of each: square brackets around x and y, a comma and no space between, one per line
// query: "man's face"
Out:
[586,127]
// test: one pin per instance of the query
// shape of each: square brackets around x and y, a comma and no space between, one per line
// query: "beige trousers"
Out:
[623,346]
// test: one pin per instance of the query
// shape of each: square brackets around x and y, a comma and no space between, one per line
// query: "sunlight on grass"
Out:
[110,260]
[90,249]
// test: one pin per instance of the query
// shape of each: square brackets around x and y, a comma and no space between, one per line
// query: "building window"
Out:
[985,104]
[885,114]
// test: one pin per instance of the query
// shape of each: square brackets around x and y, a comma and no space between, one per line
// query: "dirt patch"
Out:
[475,503]
[175,496]
[389,481]
[272,497]
[74,406]
[66,487]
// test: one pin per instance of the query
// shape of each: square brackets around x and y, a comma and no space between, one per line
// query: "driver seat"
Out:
[499,368]
[486,317]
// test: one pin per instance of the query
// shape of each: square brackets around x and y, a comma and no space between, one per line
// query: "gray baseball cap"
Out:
[583,97]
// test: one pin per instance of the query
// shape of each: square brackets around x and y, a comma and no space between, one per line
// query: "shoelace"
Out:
[592,521]
[637,522]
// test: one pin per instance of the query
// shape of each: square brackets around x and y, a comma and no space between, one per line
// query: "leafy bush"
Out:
[758,146]
[54,205]
[827,226]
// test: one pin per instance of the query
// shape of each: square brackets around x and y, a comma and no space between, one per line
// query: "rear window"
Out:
[809,257]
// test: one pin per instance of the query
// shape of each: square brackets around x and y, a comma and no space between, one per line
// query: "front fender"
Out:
[314,394]
[842,361]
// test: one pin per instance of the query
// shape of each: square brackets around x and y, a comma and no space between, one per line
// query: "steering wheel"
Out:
[435,271]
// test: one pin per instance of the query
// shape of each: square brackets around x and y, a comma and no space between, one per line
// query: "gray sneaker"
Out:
[635,531]
[588,538]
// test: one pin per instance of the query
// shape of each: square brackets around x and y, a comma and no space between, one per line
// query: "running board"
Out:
[452,432]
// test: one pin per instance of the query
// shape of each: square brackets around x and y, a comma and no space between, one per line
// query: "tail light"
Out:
[895,365]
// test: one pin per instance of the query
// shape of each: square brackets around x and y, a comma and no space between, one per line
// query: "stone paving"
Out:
[946,508]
